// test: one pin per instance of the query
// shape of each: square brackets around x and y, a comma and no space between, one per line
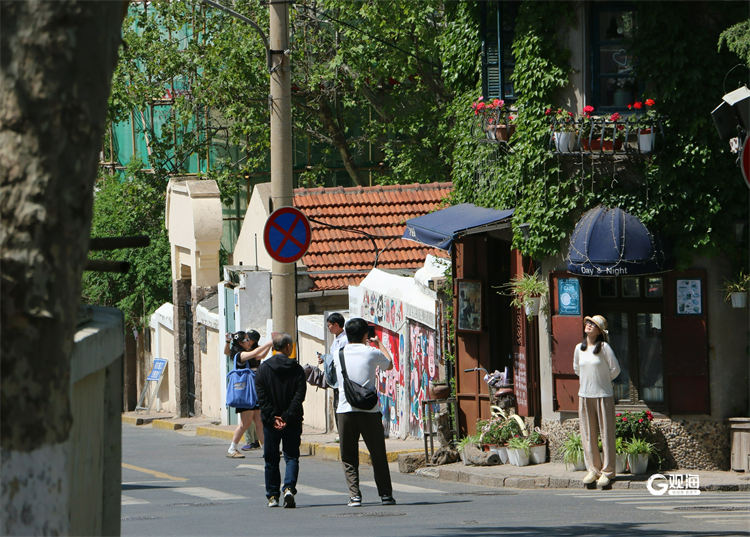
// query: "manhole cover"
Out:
[366,514]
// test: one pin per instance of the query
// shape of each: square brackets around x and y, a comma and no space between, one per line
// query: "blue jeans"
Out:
[289,437]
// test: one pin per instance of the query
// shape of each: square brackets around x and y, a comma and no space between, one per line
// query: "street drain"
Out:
[710,508]
[365,514]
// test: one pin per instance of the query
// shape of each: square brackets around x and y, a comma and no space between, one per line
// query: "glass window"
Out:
[618,339]
[635,332]
[654,287]
[613,77]
[650,357]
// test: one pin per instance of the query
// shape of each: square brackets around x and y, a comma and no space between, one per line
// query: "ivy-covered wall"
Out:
[690,189]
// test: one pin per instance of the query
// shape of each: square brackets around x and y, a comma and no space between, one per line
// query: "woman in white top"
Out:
[595,364]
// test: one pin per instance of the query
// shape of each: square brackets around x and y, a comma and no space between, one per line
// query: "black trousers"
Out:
[370,426]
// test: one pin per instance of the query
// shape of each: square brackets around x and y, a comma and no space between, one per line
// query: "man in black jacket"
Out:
[281,387]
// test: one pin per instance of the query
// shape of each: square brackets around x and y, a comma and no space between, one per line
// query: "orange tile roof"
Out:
[338,258]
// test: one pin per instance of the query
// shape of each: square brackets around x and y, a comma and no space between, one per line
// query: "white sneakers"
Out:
[603,481]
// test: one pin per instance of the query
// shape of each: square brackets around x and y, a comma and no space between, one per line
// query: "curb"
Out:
[136,421]
[166,425]
[213,432]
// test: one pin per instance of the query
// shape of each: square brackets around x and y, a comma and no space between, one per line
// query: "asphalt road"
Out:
[180,484]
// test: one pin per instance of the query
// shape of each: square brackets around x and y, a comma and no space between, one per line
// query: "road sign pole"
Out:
[283,298]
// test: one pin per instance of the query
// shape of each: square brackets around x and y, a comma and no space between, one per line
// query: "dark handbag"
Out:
[315,377]
[357,395]
[241,387]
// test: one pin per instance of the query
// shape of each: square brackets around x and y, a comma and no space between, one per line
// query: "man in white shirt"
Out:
[335,322]
[361,361]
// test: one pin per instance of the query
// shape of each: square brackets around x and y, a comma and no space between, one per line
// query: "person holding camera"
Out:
[361,361]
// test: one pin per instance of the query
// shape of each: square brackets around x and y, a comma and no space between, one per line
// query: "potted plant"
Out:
[465,441]
[527,291]
[735,291]
[563,129]
[621,456]
[644,123]
[495,118]
[572,451]
[538,443]
[519,450]
[439,389]
[638,451]
[633,424]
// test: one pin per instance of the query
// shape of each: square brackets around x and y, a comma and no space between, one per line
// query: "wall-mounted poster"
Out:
[470,305]
[689,297]
[569,296]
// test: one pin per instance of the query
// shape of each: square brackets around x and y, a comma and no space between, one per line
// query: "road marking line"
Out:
[208,494]
[314,491]
[252,467]
[129,500]
[400,487]
[717,515]
[154,473]
[697,501]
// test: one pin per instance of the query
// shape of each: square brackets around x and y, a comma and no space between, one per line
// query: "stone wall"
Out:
[682,443]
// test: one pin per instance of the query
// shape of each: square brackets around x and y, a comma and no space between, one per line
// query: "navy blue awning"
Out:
[440,228]
[611,242]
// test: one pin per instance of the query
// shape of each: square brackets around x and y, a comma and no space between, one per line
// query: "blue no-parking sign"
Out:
[287,235]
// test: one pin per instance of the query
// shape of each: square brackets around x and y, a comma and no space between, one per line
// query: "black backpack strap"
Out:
[343,364]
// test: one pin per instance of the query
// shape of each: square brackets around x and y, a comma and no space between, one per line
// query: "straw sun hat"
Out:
[601,323]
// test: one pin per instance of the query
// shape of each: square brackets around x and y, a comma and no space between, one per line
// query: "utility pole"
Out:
[283,277]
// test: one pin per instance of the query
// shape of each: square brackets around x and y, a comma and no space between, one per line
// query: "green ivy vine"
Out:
[690,190]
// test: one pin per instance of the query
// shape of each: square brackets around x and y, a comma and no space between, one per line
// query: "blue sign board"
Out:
[157,369]
[287,235]
[568,296]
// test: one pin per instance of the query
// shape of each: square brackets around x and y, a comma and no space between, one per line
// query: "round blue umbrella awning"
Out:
[611,242]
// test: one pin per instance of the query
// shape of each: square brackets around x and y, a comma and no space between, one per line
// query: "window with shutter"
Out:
[498,29]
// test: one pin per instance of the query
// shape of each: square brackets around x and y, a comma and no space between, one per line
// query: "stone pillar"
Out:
[180,295]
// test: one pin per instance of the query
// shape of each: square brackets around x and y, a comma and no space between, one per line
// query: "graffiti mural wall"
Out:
[390,383]
[423,368]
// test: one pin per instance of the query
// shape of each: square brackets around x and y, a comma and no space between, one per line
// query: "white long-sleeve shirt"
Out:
[595,371]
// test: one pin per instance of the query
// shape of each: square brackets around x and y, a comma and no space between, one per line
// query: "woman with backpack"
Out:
[248,353]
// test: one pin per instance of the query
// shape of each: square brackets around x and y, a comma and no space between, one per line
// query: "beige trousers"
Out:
[597,417]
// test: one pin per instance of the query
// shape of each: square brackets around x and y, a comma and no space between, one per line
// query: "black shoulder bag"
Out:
[357,395]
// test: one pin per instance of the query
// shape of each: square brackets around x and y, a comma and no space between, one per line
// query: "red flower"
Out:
[571,114]
[497,103]
[618,414]
[548,111]
[638,105]
[630,106]
[615,116]
[624,419]
[640,420]
[587,110]
[650,102]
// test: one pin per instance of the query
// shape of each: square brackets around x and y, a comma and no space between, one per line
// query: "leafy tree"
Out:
[129,206]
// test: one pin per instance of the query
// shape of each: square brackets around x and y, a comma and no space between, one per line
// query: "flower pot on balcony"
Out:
[564,141]
[597,145]
[645,140]
[501,133]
